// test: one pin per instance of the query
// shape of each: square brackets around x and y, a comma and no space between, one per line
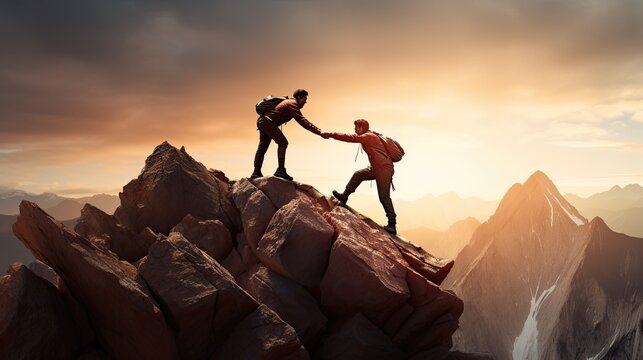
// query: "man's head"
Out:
[361,126]
[301,96]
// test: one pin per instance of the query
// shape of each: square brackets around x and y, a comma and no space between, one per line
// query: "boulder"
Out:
[210,236]
[256,210]
[297,243]
[358,339]
[366,272]
[198,296]
[262,335]
[101,228]
[171,185]
[234,263]
[77,311]
[133,326]
[279,191]
[34,320]
[290,301]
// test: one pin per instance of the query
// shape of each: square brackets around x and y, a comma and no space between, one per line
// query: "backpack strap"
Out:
[379,136]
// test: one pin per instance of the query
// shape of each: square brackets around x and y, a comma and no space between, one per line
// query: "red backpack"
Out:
[392,147]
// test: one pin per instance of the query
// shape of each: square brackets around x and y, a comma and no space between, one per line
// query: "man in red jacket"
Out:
[381,169]
[268,126]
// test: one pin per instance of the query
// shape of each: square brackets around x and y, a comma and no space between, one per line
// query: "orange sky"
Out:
[480,95]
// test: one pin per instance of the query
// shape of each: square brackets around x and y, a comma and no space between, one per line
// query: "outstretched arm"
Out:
[299,117]
[342,137]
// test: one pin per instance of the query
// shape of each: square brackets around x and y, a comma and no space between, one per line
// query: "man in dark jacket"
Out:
[381,169]
[268,125]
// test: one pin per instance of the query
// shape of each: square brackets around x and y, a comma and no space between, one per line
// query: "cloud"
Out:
[81,80]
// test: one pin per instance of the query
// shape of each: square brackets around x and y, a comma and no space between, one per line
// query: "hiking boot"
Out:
[256,174]
[281,172]
[341,197]
[390,228]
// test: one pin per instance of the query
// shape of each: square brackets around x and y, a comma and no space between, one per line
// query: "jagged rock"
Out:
[297,243]
[198,296]
[366,271]
[172,185]
[127,321]
[34,320]
[77,311]
[279,191]
[262,335]
[256,210]
[234,263]
[210,236]
[289,300]
[101,228]
[358,339]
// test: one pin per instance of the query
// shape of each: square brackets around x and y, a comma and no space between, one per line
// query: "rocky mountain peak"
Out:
[193,267]
[167,158]
[537,196]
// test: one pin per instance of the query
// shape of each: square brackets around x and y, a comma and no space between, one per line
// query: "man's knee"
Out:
[282,143]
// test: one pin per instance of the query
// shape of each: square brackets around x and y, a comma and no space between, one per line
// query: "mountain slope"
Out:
[517,267]
[603,314]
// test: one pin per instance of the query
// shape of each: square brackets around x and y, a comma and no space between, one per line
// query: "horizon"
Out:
[479,95]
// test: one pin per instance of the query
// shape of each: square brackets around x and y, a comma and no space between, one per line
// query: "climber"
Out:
[268,125]
[381,169]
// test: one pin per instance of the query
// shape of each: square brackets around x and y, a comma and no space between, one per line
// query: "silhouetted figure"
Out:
[268,125]
[381,169]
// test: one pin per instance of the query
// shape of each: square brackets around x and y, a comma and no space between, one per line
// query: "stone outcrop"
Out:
[127,321]
[34,320]
[103,230]
[210,236]
[195,266]
[172,185]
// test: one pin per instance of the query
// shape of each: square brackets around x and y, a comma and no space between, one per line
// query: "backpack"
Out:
[392,147]
[268,103]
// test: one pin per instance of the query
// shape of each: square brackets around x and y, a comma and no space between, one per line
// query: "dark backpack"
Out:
[392,147]
[268,103]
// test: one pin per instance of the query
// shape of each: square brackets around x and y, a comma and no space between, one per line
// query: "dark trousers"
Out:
[268,132]
[383,177]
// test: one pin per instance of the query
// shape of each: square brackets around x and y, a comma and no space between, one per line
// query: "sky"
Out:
[480,94]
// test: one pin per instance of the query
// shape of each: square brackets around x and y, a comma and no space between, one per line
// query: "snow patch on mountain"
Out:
[578,221]
[526,344]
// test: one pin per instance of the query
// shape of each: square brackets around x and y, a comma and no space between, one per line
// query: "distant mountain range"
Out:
[62,208]
[620,207]
[65,209]
[430,211]
[540,281]
[444,244]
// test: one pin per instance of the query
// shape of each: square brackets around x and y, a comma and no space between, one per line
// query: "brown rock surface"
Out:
[198,296]
[256,210]
[172,185]
[359,339]
[262,335]
[297,243]
[210,236]
[366,271]
[34,320]
[290,301]
[101,228]
[134,325]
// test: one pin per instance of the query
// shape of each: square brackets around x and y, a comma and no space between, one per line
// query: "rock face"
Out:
[133,326]
[172,185]
[192,266]
[103,230]
[34,320]
[559,269]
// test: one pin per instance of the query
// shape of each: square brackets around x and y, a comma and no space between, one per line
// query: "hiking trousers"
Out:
[383,177]
[268,131]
